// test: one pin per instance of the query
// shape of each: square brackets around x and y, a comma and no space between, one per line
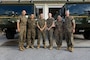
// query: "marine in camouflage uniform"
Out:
[58,31]
[41,24]
[50,23]
[21,27]
[31,25]
[69,30]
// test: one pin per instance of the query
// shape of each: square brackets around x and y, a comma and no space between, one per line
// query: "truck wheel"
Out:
[9,35]
[86,35]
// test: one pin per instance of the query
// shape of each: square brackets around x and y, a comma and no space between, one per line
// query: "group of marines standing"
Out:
[45,28]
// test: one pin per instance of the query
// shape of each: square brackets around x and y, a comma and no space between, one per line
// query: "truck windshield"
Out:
[79,9]
[8,9]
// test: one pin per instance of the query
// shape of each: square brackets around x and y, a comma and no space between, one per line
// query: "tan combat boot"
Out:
[45,46]
[58,47]
[20,48]
[27,47]
[23,47]
[32,46]
[51,48]
[70,49]
[38,46]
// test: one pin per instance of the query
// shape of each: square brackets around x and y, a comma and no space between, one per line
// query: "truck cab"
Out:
[9,12]
[81,13]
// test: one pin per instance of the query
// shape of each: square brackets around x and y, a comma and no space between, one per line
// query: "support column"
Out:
[45,11]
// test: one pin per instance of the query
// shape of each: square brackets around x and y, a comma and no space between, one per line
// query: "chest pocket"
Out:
[69,22]
[41,23]
[49,22]
[59,25]
[23,21]
[31,24]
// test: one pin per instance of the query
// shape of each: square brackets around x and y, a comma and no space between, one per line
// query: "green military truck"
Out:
[81,12]
[9,12]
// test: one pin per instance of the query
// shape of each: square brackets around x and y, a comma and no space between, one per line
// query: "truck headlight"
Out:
[13,21]
[88,21]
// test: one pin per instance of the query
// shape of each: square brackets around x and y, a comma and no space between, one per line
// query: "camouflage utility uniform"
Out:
[31,25]
[41,23]
[22,35]
[69,31]
[50,32]
[58,33]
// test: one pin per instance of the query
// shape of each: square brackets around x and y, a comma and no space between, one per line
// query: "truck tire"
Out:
[86,34]
[9,35]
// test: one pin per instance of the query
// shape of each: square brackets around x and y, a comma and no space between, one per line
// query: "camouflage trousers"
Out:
[30,37]
[58,37]
[22,35]
[69,39]
[50,36]
[41,34]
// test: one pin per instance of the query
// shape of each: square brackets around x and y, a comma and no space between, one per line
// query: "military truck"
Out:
[81,12]
[9,12]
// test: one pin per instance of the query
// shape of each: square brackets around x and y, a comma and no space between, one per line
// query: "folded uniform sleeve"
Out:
[18,20]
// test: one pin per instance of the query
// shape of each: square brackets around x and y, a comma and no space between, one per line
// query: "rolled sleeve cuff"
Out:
[18,20]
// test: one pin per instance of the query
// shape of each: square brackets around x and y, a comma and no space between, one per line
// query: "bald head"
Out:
[67,12]
[23,12]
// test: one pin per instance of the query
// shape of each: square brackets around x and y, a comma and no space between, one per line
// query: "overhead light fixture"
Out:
[31,1]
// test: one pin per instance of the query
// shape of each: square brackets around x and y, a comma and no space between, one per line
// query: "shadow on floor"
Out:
[10,43]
